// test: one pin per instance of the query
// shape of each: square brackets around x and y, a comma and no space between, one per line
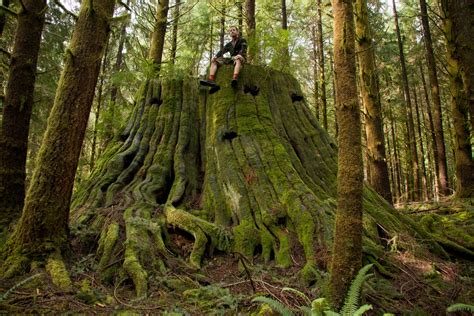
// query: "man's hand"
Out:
[214,59]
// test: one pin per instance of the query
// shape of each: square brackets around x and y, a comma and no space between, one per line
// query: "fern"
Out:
[362,309]
[13,288]
[299,293]
[352,299]
[275,305]
[460,307]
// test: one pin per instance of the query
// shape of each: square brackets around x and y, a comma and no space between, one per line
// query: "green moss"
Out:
[107,243]
[58,272]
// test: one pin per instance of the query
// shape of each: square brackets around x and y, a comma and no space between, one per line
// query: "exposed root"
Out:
[201,230]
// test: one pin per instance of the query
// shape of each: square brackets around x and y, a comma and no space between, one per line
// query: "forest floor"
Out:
[421,285]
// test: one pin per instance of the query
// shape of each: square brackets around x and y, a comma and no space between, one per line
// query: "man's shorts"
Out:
[228,61]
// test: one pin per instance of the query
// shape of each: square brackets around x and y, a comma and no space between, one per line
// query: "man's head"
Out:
[234,31]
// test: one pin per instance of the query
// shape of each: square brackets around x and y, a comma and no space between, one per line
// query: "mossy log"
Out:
[243,170]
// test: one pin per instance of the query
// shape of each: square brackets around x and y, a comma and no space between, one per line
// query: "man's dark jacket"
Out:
[240,48]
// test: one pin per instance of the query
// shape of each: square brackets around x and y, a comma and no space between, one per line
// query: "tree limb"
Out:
[59,4]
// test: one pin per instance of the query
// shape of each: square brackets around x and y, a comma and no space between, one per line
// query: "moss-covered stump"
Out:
[245,170]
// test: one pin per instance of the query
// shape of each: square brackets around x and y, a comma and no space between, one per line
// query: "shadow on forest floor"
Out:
[422,284]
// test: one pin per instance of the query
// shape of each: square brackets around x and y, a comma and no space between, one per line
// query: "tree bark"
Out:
[174,41]
[17,109]
[285,52]
[347,248]
[155,54]
[414,176]
[377,161]
[431,131]
[252,51]
[42,232]
[315,73]
[424,181]
[460,73]
[321,64]
[439,149]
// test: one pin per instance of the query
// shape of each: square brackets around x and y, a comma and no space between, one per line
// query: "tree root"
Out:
[201,230]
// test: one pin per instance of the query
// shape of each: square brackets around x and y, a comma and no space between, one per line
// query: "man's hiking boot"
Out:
[214,89]
[233,83]
[208,83]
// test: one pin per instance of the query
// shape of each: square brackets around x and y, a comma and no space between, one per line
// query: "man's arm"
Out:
[243,47]
[224,50]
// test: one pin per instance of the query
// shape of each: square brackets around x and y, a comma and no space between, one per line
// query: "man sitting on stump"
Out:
[237,48]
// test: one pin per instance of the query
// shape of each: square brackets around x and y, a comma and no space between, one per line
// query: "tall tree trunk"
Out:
[347,248]
[424,181]
[252,51]
[43,229]
[413,155]
[285,52]
[315,73]
[114,90]
[321,64]
[158,36]
[174,41]
[431,132]
[222,25]
[100,92]
[17,109]
[377,162]
[439,149]
[457,47]
[240,15]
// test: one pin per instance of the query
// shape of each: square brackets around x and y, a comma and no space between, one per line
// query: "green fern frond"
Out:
[275,305]
[363,309]
[460,307]
[299,293]
[319,306]
[331,313]
[352,299]
[13,288]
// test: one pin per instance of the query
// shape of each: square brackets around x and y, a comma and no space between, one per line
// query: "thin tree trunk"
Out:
[43,229]
[17,109]
[413,156]
[395,161]
[431,130]
[158,37]
[174,40]
[456,42]
[284,26]
[114,90]
[222,26]
[347,251]
[377,163]
[422,149]
[240,15]
[252,51]
[100,90]
[334,97]
[439,146]
[321,63]
[315,73]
